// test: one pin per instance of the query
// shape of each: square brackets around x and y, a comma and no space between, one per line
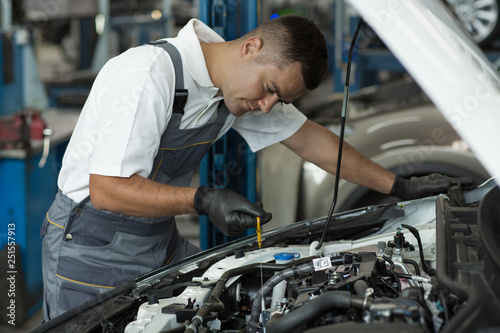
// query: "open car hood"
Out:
[447,64]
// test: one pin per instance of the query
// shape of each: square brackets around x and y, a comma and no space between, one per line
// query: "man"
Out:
[129,162]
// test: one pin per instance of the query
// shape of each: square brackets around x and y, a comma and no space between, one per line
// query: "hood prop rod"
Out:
[341,137]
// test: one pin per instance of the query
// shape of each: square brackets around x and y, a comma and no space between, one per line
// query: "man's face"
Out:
[253,86]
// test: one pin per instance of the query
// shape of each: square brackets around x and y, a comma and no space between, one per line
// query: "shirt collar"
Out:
[190,36]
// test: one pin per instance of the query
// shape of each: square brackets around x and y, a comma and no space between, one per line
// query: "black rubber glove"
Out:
[419,187]
[230,212]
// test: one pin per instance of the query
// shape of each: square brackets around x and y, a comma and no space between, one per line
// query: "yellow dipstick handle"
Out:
[259,233]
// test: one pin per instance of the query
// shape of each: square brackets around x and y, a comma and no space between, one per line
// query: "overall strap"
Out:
[181,94]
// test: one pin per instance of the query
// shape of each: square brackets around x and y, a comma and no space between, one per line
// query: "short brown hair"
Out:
[294,38]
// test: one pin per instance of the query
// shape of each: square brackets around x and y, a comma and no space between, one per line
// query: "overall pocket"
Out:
[88,228]
[94,227]
[104,249]
[104,274]
[106,267]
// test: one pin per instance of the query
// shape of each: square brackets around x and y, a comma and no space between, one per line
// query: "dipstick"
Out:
[259,233]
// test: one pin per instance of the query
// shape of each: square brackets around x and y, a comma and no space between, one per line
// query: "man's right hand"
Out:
[229,212]
[433,184]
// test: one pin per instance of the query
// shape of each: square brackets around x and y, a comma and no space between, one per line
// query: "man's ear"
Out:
[251,46]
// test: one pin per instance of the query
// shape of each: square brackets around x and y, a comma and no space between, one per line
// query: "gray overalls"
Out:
[86,251]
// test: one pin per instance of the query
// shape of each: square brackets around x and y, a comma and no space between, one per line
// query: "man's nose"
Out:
[267,103]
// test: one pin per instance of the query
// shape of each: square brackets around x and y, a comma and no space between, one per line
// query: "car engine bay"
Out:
[426,265]
[377,282]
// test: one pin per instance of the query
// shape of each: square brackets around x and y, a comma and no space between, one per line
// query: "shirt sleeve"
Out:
[261,130]
[133,106]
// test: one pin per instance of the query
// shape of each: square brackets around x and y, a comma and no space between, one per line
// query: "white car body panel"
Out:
[429,43]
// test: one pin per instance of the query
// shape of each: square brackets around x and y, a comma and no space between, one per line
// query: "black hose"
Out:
[414,264]
[398,283]
[214,303]
[429,270]
[388,286]
[315,308]
[389,260]
[295,272]
[391,272]
[298,271]
[404,276]
[360,287]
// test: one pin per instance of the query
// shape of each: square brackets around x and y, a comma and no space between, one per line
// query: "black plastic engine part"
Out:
[467,267]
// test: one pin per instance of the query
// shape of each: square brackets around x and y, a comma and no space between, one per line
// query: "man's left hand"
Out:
[419,187]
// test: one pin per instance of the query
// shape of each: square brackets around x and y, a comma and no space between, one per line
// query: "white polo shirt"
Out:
[130,103]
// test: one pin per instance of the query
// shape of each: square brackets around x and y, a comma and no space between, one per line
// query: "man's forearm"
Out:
[360,170]
[139,196]
[318,145]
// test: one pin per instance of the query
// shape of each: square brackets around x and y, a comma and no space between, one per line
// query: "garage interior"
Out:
[52,50]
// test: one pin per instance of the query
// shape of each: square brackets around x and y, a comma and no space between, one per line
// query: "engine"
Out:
[426,265]
[296,289]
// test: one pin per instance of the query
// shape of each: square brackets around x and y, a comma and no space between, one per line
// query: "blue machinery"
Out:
[26,190]
[229,163]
